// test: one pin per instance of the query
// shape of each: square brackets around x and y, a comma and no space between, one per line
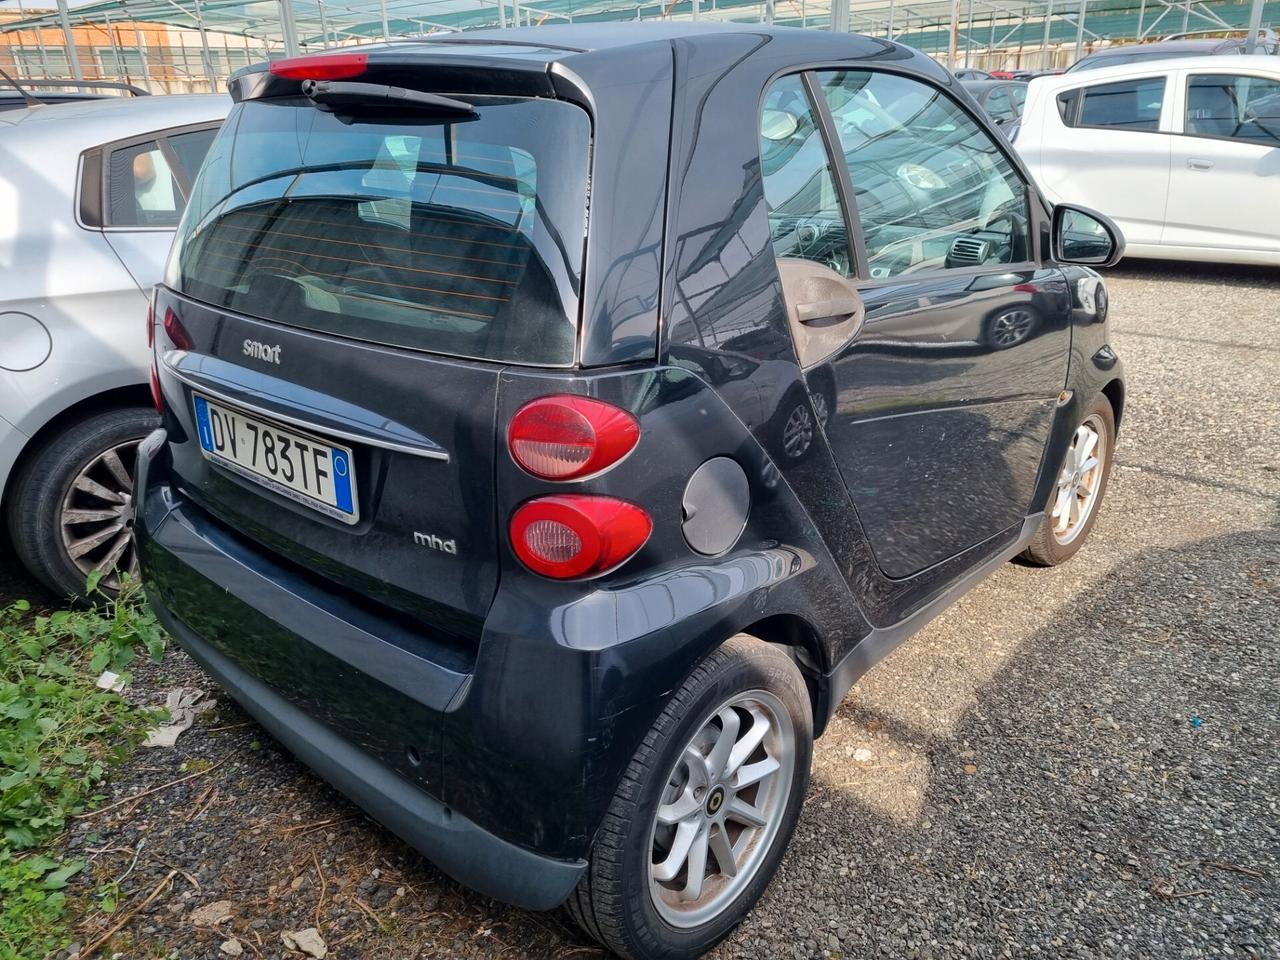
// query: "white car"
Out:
[1184,154]
[90,195]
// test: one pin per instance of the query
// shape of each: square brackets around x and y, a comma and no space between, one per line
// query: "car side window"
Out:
[147,183]
[1019,95]
[999,106]
[932,188]
[141,189]
[805,217]
[1233,107]
[190,148]
[1125,105]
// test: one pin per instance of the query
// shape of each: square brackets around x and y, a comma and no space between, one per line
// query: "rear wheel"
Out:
[71,510]
[704,811]
[1081,485]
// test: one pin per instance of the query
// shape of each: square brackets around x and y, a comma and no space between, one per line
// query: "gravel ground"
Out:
[1080,762]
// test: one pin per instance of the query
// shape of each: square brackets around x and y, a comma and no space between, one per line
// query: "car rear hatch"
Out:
[354,270]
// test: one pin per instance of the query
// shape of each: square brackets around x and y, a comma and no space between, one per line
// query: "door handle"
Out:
[1197,164]
[826,309]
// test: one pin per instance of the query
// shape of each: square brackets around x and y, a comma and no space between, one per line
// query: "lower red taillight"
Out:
[577,535]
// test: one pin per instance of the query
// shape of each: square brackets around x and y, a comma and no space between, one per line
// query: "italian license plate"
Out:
[312,471]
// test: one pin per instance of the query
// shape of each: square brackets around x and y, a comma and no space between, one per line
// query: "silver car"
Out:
[90,194]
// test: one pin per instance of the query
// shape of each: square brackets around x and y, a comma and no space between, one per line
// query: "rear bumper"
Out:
[460,848]
[359,699]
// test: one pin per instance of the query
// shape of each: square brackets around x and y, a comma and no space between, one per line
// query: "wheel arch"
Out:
[1114,392]
[804,644]
[131,395]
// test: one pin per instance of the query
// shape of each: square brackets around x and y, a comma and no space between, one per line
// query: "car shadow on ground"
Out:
[1094,799]
[1105,794]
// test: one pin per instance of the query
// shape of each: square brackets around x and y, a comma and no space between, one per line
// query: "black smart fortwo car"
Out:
[557,422]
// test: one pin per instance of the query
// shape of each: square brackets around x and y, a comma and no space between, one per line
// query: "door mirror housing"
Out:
[1083,236]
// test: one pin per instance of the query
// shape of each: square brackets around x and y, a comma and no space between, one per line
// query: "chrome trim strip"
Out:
[434,452]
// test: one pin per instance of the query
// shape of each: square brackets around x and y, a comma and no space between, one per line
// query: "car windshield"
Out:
[460,236]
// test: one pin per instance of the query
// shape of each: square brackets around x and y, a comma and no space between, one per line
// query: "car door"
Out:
[1224,186]
[1107,146]
[145,184]
[941,392]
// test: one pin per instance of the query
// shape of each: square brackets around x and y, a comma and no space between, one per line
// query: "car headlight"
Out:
[922,178]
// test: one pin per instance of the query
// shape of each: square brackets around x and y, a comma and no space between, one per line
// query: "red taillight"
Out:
[576,535]
[157,398]
[151,323]
[325,66]
[566,437]
[175,331]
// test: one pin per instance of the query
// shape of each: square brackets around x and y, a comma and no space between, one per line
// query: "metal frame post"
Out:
[839,16]
[324,25]
[968,34]
[142,54]
[288,28]
[1080,28]
[72,56]
[115,49]
[953,34]
[1255,25]
[205,57]
[1044,46]
[386,27]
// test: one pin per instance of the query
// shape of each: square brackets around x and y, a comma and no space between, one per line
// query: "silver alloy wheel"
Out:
[1080,480]
[722,808]
[797,433]
[1011,327]
[96,519]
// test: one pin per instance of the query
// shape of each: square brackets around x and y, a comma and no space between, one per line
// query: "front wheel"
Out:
[1082,484]
[705,809]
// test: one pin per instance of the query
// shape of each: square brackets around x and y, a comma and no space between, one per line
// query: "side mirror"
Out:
[1082,236]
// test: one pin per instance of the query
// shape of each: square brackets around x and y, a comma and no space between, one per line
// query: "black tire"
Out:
[612,902]
[1046,549]
[35,503]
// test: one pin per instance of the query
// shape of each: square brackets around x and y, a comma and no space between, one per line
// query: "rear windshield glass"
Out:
[457,235]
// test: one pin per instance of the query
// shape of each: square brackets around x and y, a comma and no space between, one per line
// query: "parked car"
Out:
[1182,154]
[29,93]
[463,488]
[1169,49]
[1001,99]
[970,73]
[93,194]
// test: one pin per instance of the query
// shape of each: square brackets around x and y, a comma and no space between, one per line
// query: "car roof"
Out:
[84,122]
[1261,62]
[562,42]
[587,38]
[980,86]
[1172,48]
